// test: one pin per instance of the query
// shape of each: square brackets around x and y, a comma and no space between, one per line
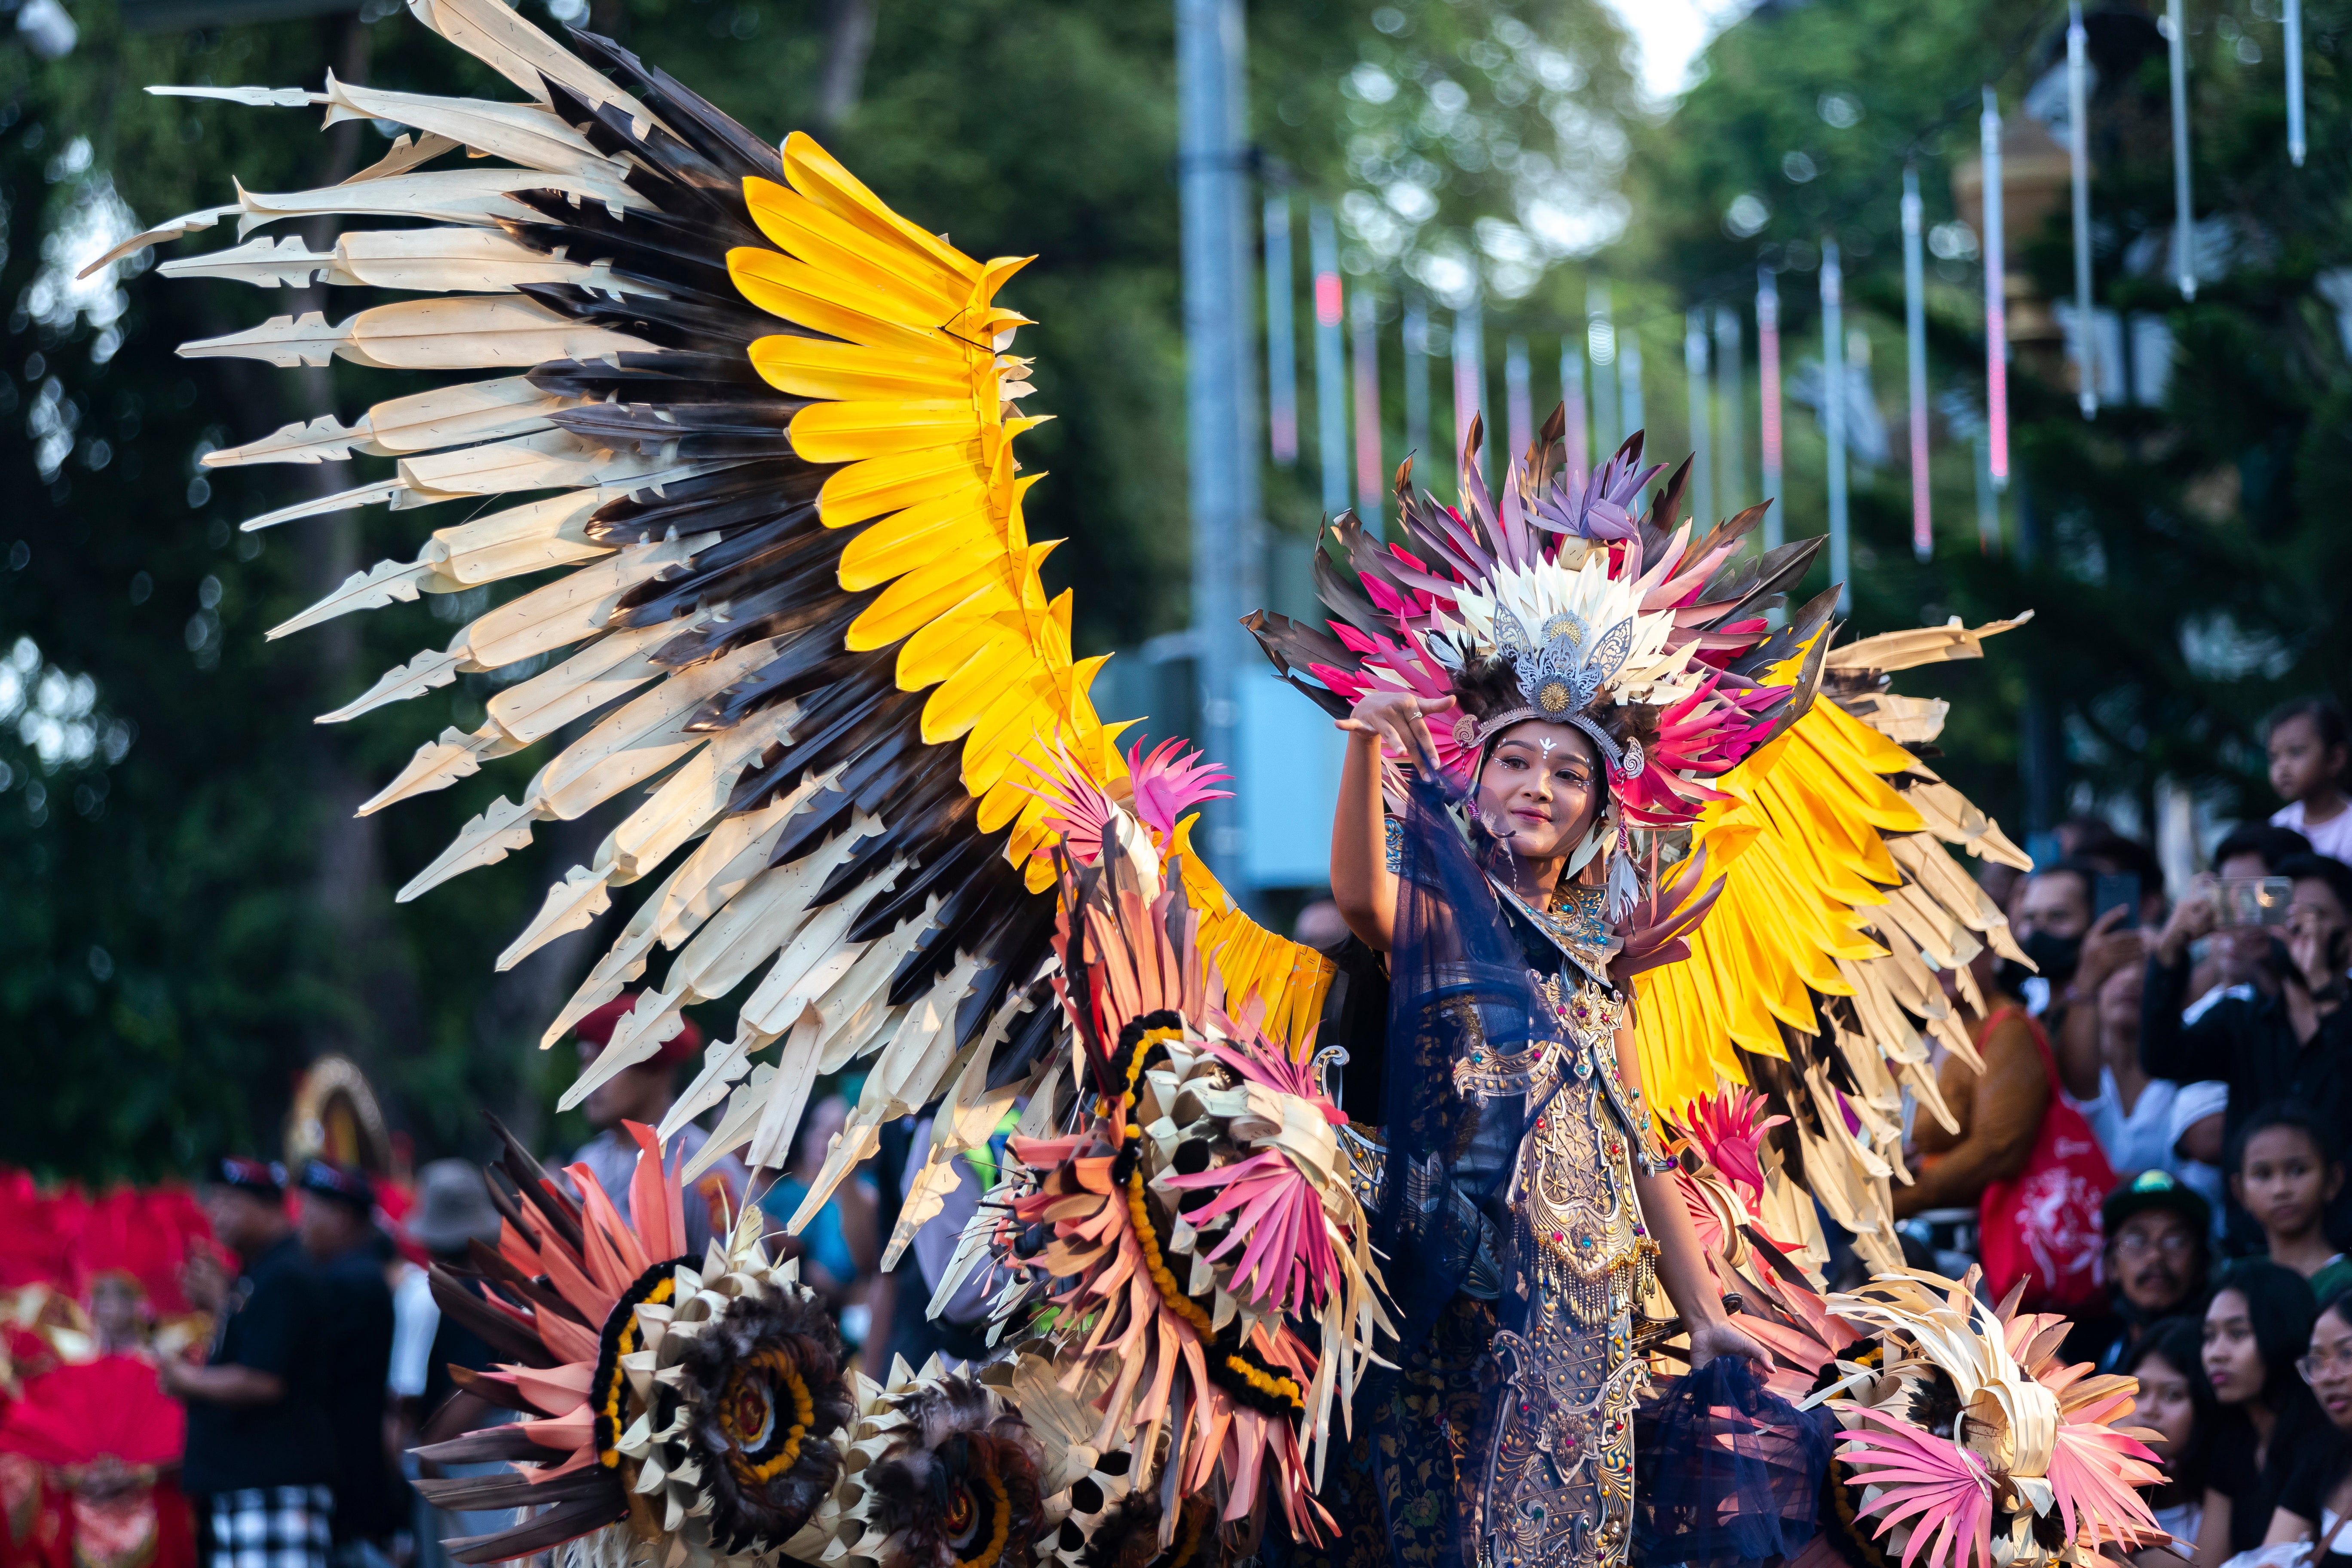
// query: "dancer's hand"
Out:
[1396,719]
[1721,1338]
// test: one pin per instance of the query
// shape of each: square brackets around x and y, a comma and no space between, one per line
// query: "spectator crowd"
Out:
[2155,1145]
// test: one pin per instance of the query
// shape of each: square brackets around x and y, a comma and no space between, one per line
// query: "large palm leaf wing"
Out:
[763,428]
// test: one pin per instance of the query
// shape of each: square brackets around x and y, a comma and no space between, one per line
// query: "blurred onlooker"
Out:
[644,1093]
[2174,1403]
[2156,1260]
[2051,917]
[2306,742]
[260,1454]
[957,1331]
[2021,1157]
[2284,1171]
[1319,925]
[1999,1110]
[355,1321]
[837,1245]
[2130,1112]
[2295,1046]
[2257,1327]
[2200,1113]
[453,1208]
[2237,957]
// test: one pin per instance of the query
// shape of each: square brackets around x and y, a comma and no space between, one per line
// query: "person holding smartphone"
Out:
[2293,1046]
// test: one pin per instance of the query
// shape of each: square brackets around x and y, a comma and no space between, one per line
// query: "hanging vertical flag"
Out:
[2078,160]
[1416,383]
[1281,335]
[1767,377]
[1833,396]
[1330,370]
[1601,347]
[1630,412]
[1469,378]
[1571,404]
[1370,482]
[1695,367]
[2295,142]
[1996,285]
[1987,502]
[1518,399]
[2184,239]
[1730,422]
[1914,341]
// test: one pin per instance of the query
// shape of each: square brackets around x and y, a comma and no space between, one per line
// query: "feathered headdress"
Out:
[1622,627]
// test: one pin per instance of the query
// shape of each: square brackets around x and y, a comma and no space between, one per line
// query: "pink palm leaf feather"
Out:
[1943,1491]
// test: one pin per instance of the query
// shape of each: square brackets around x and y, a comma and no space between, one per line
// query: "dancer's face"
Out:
[1540,790]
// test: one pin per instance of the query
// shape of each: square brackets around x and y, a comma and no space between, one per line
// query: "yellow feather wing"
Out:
[1810,974]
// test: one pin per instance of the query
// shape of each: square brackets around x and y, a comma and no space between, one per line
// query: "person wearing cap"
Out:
[2156,1261]
[260,1455]
[338,1231]
[644,1093]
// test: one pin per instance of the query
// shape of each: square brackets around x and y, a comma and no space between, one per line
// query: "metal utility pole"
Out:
[1220,401]
[1694,365]
[1768,391]
[1915,345]
[1731,422]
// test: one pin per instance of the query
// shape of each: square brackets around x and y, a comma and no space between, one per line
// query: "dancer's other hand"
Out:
[1721,1338]
[1396,719]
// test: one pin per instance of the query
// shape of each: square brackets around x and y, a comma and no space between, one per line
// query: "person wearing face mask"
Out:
[2317,1503]
[2051,917]
[2175,1403]
[2293,1046]
[2256,1327]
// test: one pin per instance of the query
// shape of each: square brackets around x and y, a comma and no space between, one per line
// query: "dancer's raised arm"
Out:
[1361,883]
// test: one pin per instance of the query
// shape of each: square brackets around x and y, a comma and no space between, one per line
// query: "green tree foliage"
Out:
[2186,561]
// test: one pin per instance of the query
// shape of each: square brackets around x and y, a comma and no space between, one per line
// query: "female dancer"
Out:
[1515,1107]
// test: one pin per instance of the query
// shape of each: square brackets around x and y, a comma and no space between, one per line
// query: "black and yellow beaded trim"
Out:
[1253,1380]
[1134,1050]
[608,1390]
[1147,1236]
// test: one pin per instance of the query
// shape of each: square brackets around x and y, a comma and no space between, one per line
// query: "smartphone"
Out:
[2252,900]
[2115,893]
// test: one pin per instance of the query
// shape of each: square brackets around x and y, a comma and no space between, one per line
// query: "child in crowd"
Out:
[2317,1501]
[2256,1328]
[2284,1170]
[2306,742]
[2175,1403]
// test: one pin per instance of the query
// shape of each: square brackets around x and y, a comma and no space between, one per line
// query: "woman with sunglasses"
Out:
[2317,1502]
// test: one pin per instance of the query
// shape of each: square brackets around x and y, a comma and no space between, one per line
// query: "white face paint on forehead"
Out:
[1547,743]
